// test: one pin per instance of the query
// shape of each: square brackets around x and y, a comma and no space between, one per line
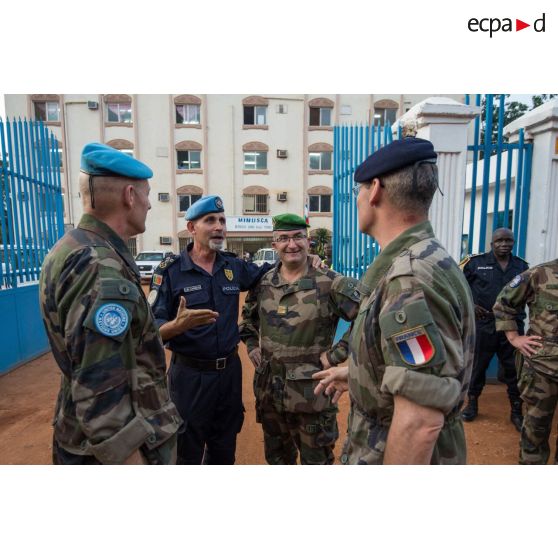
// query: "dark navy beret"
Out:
[98,159]
[205,205]
[396,155]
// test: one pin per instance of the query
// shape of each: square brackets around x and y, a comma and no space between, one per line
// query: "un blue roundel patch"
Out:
[111,320]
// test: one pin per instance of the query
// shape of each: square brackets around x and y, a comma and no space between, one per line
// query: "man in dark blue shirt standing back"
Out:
[487,274]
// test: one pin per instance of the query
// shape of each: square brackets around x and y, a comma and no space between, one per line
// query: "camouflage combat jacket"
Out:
[293,323]
[113,397]
[415,337]
[538,288]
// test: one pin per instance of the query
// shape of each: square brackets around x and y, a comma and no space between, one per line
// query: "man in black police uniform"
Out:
[195,301]
[487,274]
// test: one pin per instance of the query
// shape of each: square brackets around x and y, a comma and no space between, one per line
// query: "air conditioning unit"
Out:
[281,153]
[164,197]
[282,197]
[281,109]
[165,240]
[92,105]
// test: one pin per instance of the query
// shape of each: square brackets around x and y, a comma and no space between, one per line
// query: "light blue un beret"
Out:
[98,159]
[205,205]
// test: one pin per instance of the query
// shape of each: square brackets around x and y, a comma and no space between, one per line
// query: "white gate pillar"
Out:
[444,122]
[541,127]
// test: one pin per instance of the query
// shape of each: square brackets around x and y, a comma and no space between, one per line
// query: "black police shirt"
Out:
[486,279]
[218,292]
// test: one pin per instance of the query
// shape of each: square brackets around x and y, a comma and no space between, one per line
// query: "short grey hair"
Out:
[407,197]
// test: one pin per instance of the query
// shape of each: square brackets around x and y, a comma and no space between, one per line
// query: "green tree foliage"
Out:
[512,111]
[321,236]
[538,100]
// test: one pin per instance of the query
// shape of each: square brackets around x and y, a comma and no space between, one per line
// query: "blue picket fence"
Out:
[31,221]
[506,178]
[352,251]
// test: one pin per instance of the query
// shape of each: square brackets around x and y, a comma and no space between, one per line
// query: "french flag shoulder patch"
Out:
[414,346]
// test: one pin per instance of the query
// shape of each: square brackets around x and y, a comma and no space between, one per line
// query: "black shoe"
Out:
[516,416]
[471,410]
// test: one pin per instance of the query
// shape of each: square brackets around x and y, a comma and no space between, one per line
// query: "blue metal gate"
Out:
[504,187]
[352,251]
[31,221]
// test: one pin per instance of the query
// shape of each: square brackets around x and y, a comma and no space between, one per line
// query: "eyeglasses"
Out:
[356,188]
[298,238]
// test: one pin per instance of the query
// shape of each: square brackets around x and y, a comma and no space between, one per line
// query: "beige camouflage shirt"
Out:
[113,395]
[538,288]
[294,323]
[415,337]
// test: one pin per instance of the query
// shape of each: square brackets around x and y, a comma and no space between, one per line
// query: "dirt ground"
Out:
[28,395]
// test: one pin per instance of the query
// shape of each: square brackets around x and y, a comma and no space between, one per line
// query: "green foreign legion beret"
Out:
[98,159]
[289,222]
[398,154]
[205,205]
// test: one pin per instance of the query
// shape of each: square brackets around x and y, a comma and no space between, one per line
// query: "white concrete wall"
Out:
[154,136]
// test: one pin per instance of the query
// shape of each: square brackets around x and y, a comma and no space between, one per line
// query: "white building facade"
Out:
[263,154]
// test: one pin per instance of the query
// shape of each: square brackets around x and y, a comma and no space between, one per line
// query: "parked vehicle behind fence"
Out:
[147,262]
[265,255]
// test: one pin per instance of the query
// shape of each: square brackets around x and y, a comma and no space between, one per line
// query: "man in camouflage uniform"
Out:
[538,380]
[289,322]
[113,406]
[412,344]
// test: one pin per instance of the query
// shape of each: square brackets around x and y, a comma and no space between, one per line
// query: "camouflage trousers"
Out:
[288,434]
[540,394]
[165,454]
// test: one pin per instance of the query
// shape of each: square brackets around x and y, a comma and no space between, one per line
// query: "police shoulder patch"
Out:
[168,261]
[111,319]
[466,260]
[516,281]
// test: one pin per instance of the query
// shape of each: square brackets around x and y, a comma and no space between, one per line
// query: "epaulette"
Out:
[467,259]
[167,262]
[522,259]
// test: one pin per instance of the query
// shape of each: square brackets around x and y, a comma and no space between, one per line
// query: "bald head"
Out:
[502,243]
[502,233]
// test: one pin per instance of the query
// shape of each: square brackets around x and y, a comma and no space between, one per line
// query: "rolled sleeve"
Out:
[424,389]
[506,325]
[120,446]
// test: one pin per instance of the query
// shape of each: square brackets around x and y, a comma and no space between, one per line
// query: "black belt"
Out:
[202,364]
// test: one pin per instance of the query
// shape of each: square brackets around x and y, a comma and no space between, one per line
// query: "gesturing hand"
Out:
[332,381]
[188,319]
[317,262]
